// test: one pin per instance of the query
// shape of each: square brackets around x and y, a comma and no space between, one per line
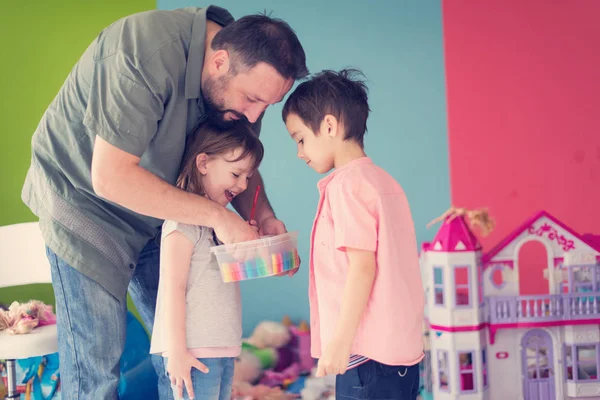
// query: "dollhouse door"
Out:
[538,362]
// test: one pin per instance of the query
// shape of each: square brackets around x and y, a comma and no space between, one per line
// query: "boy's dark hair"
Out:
[259,38]
[337,93]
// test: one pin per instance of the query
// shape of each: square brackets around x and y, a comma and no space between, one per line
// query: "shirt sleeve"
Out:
[355,222]
[135,65]
[122,108]
[191,232]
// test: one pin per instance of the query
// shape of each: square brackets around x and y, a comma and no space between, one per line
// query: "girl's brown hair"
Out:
[212,141]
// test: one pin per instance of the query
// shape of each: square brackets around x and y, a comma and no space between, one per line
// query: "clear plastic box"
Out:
[268,256]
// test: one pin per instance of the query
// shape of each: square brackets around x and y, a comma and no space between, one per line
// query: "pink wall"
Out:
[523,82]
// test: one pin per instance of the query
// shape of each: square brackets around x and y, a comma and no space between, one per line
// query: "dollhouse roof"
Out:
[454,236]
[592,241]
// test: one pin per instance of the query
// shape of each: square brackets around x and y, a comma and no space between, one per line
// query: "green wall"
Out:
[40,41]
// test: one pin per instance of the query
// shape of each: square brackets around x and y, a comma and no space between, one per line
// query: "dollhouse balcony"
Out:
[554,309]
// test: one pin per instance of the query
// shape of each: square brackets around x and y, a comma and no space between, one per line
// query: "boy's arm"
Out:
[357,290]
[355,217]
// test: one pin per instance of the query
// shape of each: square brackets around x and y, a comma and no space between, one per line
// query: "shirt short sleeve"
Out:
[122,109]
[355,223]
[192,232]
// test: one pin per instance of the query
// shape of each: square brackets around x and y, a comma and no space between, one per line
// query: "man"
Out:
[107,152]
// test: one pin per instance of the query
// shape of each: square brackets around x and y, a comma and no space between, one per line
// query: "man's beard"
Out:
[214,107]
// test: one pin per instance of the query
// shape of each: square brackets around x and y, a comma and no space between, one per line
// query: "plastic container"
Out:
[260,258]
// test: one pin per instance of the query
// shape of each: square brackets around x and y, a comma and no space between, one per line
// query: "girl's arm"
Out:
[176,255]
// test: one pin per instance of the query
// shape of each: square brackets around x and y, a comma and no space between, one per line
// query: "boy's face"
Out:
[316,150]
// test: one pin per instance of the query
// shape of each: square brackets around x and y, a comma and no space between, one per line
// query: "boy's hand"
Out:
[179,368]
[335,359]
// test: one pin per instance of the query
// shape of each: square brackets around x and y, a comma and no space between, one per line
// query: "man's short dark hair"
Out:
[259,38]
[340,94]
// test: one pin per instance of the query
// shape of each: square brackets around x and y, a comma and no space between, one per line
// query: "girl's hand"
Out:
[253,224]
[179,367]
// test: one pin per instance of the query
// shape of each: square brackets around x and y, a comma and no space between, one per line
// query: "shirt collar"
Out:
[322,184]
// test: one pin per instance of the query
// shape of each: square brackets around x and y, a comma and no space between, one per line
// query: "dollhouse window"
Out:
[438,285]
[484,367]
[462,287]
[569,363]
[496,276]
[582,362]
[443,375]
[583,279]
[466,370]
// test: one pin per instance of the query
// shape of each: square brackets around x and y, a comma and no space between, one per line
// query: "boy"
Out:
[365,291]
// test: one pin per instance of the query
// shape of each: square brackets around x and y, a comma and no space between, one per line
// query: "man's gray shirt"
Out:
[137,86]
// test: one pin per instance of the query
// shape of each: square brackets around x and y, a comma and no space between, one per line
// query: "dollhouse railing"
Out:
[544,308]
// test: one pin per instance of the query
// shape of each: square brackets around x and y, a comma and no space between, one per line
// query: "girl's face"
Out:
[222,177]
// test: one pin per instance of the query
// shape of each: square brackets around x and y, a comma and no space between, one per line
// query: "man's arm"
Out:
[117,177]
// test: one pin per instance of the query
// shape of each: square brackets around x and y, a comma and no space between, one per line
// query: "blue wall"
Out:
[398,45]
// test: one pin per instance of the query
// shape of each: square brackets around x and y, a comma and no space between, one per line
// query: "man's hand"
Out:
[273,226]
[233,229]
[335,358]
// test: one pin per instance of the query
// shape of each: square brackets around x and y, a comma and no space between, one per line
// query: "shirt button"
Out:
[131,266]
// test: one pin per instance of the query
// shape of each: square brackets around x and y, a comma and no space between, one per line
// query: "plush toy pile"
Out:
[23,318]
[275,356]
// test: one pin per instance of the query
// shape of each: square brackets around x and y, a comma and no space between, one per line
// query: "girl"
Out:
[198,317]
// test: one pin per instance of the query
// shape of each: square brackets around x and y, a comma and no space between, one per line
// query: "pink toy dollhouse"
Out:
[521,321]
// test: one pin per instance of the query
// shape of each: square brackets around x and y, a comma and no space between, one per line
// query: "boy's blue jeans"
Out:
[374,380]
[215,385]
[92,326]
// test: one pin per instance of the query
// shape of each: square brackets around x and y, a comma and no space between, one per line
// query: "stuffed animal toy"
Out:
[264,350]
[23,318]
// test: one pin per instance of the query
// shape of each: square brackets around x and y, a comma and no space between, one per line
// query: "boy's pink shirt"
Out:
[362,207]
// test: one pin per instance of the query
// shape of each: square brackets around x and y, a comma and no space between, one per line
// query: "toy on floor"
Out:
[138,379]
[38,377]
[272,358]
[23,318]
[322,388]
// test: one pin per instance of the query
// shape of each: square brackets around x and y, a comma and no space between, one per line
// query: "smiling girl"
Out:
[198,317]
